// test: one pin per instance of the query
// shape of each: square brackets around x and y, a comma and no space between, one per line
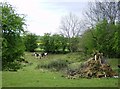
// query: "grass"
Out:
[48,79]
[0,79]
[29,76]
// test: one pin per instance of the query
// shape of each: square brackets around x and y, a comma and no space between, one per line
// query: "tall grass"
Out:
[56,65]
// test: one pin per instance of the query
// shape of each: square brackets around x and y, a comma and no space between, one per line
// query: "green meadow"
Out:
[30,76]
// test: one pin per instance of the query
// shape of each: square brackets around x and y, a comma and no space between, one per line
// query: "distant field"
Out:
[29,76]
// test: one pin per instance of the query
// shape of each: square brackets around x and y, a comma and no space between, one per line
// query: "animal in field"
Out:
[38,55]
[44,54]
[33,54]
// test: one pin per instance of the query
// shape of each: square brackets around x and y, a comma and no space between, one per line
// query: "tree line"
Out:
[56,43]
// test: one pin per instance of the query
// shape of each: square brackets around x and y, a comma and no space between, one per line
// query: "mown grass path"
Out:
[29,76]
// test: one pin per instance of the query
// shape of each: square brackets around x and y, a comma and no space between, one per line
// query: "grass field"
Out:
[29,76]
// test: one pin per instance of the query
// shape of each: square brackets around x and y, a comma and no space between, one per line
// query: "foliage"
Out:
[104,38]
[13,66]
[116,41]
[73,45]
[30,42]
[107,38]
[103,17]
[58,43]
[87,44]
[56,65]
[12,29]
[46,42]
[54,43]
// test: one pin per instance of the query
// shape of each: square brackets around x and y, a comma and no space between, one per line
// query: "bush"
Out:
[56,65]
[12,66]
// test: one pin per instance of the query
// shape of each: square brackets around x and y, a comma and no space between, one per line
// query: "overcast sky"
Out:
[44,16]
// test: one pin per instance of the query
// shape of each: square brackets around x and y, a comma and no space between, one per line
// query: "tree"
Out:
[60,43]
[118,11]
[64,43]
[0,37]
[106,39]
[116,41]
[46,45]
[30,41]
[87,43]
[103,18]
[70,28]
[12,29]
[54,43]
[98,11]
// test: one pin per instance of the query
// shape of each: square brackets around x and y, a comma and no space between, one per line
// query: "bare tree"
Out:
[99,10]
[118,11]
[102,10]
[70,27]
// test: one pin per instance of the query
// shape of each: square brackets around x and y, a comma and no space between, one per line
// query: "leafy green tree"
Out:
[12,29]
[54,43]
[64,43]
[59,42]
[103,17]
[30,41]
[116,41]
[46,42]
[87,43]
[74,44]
[104,38]
[106,35]
[51,43]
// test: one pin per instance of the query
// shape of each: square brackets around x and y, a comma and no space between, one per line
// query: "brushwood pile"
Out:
[94,67]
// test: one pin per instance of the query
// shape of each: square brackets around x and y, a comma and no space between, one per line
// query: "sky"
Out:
[44,16]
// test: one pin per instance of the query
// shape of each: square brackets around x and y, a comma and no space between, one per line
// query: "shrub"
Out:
[56,65]
[12,66]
